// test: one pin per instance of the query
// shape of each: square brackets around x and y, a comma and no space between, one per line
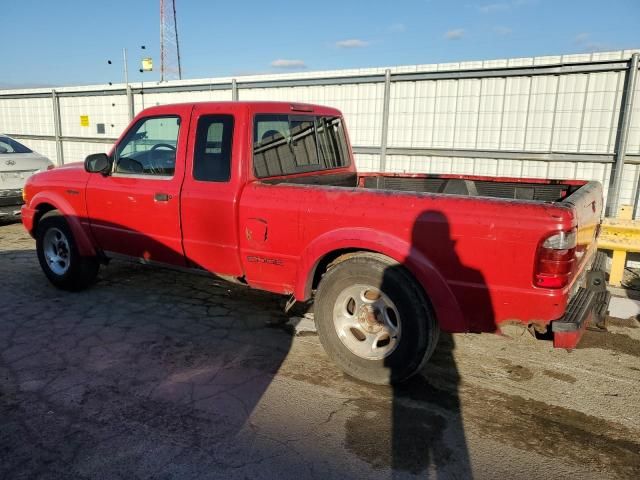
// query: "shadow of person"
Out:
[427,431]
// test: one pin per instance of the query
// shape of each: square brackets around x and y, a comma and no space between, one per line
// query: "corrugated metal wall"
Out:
[496,117]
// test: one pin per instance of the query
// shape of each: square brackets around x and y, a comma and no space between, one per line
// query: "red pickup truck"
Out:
[267,194]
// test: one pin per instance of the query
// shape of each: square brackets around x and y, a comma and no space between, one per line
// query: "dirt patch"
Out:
[556,432]
[559,376]
[396,435]
[406,432]
[515,372]
[630,322]
[614,342]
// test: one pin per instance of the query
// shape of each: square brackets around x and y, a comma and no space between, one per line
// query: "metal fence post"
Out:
[130,110]
[385,120]
[623,134]
[234,90]
[57,128]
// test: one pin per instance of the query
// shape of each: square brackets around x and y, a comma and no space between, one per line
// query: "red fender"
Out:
[446,306]
[83,241]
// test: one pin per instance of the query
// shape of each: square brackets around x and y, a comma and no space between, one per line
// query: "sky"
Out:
[69,42]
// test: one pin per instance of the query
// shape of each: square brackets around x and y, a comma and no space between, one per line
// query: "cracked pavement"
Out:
[153,373]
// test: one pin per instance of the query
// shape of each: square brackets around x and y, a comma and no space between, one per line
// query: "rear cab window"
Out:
[212,152]
[289,144]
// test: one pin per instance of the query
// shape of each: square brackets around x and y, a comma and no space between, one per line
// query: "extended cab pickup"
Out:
[267,194]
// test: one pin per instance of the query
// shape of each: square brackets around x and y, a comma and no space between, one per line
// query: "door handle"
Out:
[162,197]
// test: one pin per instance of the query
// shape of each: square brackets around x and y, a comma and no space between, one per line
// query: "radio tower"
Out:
[170,68]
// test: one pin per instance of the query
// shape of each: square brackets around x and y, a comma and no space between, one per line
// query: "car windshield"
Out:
[9,145]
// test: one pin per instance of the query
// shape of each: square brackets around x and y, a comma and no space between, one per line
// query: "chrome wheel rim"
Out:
[56,249]
[367,322]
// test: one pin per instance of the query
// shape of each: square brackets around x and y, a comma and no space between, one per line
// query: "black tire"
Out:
[79,272]
[419,329]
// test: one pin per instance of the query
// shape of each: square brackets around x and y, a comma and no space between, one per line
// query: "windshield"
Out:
[9,145]
[286,144]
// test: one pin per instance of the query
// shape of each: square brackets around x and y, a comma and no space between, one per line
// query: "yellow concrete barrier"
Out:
[620,235]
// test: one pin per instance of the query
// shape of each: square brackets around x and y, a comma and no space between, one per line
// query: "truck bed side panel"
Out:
[483,248]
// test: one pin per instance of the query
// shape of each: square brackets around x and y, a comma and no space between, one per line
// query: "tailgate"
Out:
[588,296]
[587,202]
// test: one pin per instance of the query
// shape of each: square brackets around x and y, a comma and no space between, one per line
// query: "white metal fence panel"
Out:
[146,100]
[77,151]
[634,127]
[361,105]
[27,116]
[108,110]
[43,147]
[551,117]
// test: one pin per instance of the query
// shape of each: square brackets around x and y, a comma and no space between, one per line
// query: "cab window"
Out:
[149,148]
[212,153]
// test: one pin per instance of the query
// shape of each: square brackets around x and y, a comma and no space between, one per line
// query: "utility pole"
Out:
[170,67]
[126,71]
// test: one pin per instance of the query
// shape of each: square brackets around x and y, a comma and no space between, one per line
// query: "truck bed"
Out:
[467,185]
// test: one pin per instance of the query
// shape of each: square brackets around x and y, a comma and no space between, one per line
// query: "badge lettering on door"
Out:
[267,261]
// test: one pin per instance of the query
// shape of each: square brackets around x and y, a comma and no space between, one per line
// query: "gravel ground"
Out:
[158,374]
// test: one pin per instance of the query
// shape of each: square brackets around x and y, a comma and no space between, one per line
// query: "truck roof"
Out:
[251,106]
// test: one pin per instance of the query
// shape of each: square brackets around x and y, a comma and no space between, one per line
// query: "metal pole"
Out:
[623,134]
[162,48]
[57,128]
[130,108]
[175,29]
[124,63]
[385,120]
[127,86]
[234,90]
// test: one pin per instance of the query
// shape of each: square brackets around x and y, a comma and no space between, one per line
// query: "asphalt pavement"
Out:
[153,373]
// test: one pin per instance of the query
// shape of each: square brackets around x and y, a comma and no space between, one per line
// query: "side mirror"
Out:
[97,163]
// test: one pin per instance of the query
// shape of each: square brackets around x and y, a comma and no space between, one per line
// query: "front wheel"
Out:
[58,255]
[374,320]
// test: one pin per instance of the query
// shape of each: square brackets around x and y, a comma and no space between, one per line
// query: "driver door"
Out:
[135,211]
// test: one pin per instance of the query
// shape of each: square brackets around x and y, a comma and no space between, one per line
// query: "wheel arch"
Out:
[325,250]
[43,204]
[40,210]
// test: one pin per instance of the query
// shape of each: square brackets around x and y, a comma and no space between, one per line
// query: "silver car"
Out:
[17,163]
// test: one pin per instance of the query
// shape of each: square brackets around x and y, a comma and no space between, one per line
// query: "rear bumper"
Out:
[589,305]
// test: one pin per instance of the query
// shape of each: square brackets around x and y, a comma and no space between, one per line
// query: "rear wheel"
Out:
[374,320]
[58,255]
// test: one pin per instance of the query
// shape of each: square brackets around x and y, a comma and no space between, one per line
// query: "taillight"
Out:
[555,260]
